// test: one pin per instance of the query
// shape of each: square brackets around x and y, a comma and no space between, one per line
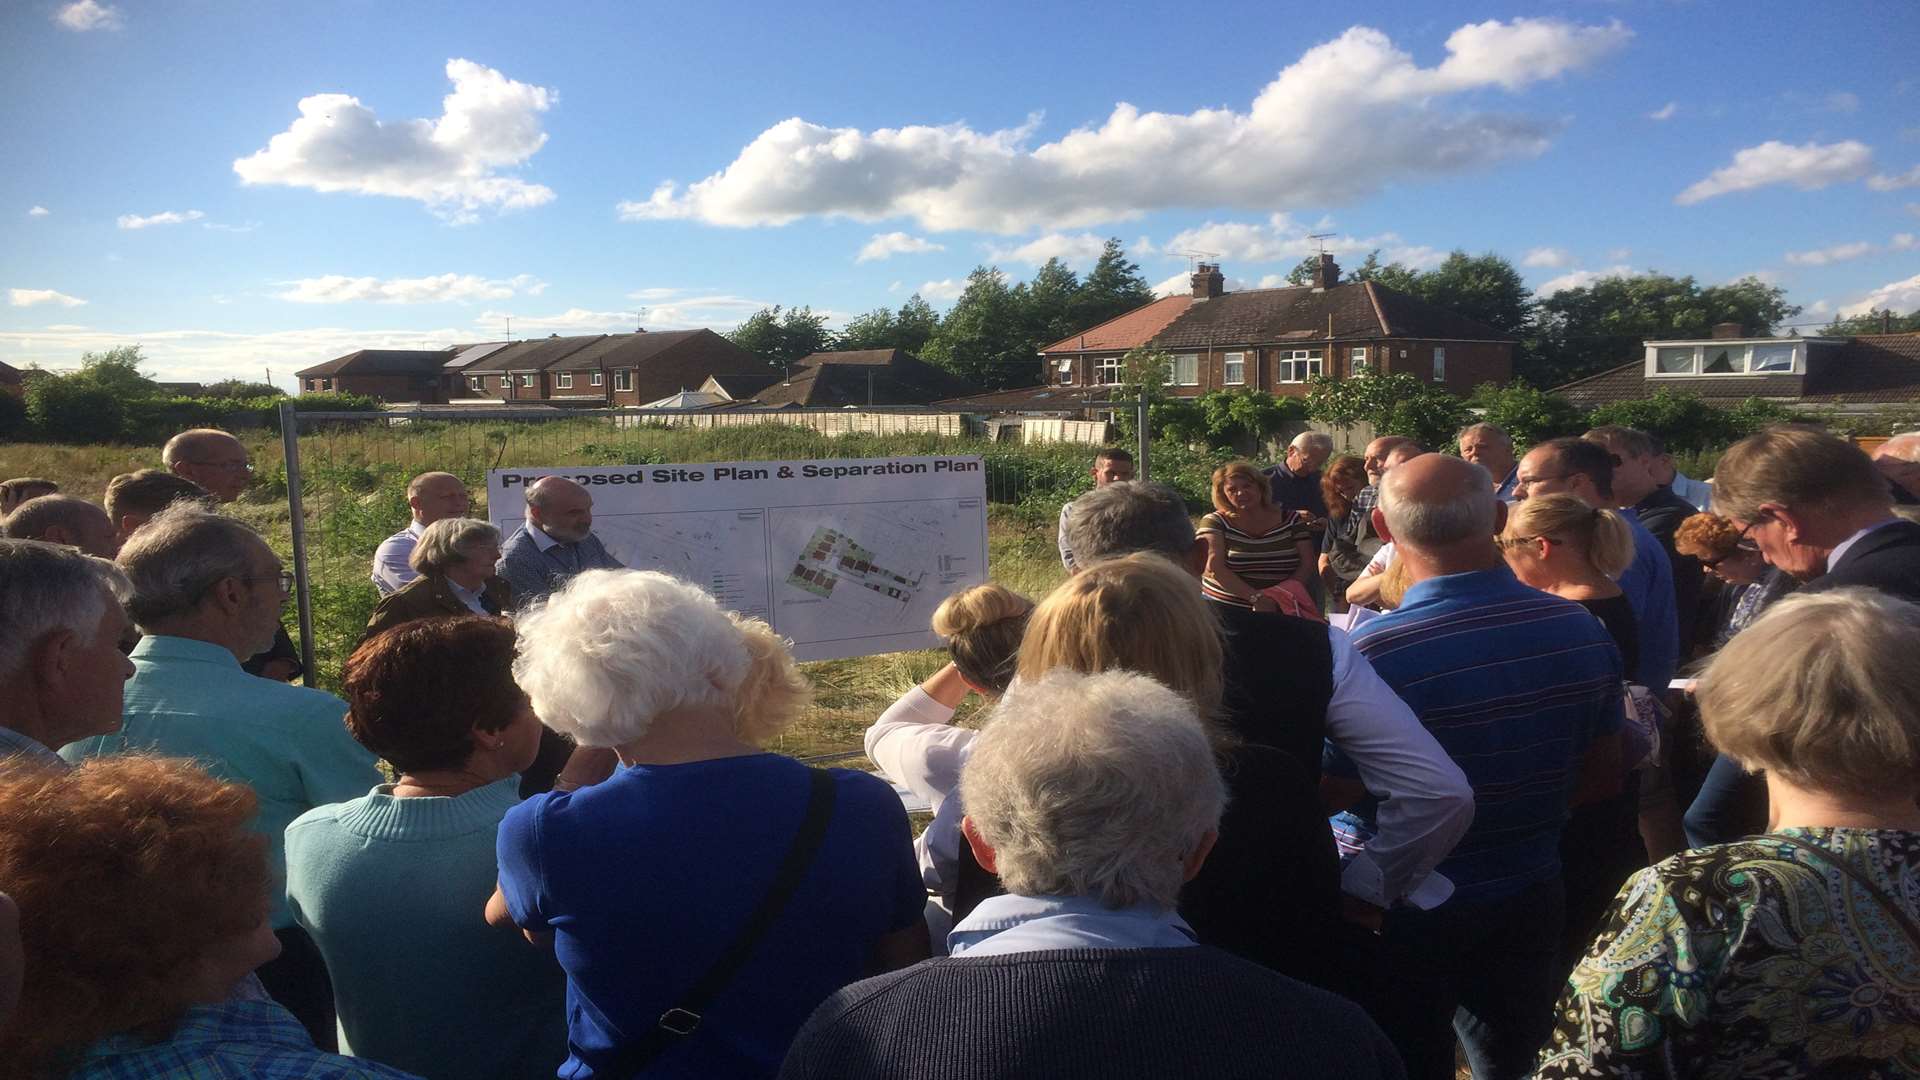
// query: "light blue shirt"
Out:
[1648,583]
[190,699]
[1015,924]
[13,743]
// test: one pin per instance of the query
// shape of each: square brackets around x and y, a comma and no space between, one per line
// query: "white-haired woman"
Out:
[648,881]
[1794,953]
[1094,797]
[455,559]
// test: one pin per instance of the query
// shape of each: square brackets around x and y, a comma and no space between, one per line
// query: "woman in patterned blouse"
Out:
[1252,545]
[1795,953]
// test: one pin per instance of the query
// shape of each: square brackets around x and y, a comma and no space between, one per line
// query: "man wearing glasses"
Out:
[208,592]
[219,463]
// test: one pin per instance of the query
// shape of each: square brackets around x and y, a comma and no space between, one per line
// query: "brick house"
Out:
[862,377]
[386,374]
[1867,373]
[1277,339]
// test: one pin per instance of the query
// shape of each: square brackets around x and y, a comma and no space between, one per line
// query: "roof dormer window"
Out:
[1765,356]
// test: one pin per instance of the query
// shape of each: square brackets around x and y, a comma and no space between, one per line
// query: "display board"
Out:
[845,557]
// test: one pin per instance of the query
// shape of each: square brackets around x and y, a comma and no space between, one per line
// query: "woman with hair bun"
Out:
[915,742]
[1560,545]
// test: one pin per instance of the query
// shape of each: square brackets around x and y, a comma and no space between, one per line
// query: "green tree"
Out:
[874,330]
[1527,413]
[780,336]
[117,371]
[13,416]
[1395,404]
[241,388]
[1602,325]
[1144,374]
[1483,287]
[981,339]
[1302,274]
[1113,287]
[915,325]
[1050,302]
[74,409]
[1876,321]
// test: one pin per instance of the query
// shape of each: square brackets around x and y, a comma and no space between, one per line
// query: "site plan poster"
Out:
[846,557]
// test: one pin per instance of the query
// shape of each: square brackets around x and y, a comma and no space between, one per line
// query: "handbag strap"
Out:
[683,1019]
[1880,895]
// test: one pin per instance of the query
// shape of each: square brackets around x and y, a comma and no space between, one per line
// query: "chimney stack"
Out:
[1727,331]
[1326,274]
[1208,282]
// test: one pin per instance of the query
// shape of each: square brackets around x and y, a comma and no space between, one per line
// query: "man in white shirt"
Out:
[434,496]
[1112,465]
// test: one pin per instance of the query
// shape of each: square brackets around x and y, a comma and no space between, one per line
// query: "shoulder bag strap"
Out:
[684,1018]
[1893,907]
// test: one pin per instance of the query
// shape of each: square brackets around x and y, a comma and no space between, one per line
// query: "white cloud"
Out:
[947,289]
[84,15]
[887,245]
[1579,279]
[1827,255]
[571,321]
[1807,166]
[452,164]
[1820,309]
[1548,257]
[39,211]
[1900,296]
[1619,254]
[165,217]
[1283,239]
[440,288]
[1664,112]
[1901,242]
[1078,249]
[1347,118]
[686,309]
[1895,181]
[36,297]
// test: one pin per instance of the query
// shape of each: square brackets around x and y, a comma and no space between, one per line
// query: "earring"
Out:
[499,744]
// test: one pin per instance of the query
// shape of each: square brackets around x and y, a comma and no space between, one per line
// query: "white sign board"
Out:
[846,557]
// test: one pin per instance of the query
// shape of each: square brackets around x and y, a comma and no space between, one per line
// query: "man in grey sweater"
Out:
[1094,798]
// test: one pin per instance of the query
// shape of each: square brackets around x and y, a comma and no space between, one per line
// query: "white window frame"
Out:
[1795,350]
[1108,371]
[506,382]
[526,381]
[1186,370]
[1440,363]
[623,379]
[563,380]
[326,384]
[1299,365]
[596,379]
[1233,369]
[1065,368]
[476,382]
[1357,361]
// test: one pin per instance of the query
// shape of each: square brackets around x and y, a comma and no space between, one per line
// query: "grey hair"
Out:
[1485,427]
[1447,515]
[1313,442]
[1632,441]
[1122,518]
[1093,785]
[176,557]
[46,588]
[448,541]
[35,516]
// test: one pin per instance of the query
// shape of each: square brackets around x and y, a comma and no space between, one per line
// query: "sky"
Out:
[243,188]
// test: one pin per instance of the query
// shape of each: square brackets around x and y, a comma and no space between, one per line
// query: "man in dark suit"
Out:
[1638,490]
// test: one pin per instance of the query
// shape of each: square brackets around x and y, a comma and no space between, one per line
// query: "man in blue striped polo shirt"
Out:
[1522,689]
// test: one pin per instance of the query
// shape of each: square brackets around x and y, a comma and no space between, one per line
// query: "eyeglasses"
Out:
[284,579]
[1525,481]
[1739,549]
[1508,543]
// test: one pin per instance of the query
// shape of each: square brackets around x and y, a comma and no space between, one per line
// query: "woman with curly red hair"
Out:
[143,913]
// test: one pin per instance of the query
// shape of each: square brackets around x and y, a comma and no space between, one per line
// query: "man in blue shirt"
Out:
[61,669]
[1522,689]
[555,543]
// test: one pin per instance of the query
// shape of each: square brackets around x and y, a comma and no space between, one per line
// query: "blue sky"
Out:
[240,186]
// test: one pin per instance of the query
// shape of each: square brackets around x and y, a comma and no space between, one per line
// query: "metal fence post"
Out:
[1140,465]
[290,447]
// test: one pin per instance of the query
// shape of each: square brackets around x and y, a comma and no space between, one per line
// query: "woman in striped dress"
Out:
[1257,554]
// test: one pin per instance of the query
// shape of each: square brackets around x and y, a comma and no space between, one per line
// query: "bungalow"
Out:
[865,377]
[1867,373]
[1277,339]
[387,374]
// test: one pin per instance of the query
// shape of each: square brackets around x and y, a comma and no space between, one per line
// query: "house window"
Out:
[623,380]
[564,380]
[506,381]
[526,380]
[1106,371]
[476,382]
[1234,369]
[1066,372]
[1725,360]
[326,384]
[1186,369]
[313,384]
[1673,360]
[596,378]
[1439,363]
[1771,358]
[1357,359]
[1299,365]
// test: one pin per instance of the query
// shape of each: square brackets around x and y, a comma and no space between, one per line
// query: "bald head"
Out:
[1435,503]
[561,508]
[1375,459]
[437,496]
[64,519]
[1898,459]
[211,458]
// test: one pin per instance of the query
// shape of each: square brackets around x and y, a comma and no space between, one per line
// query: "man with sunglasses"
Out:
[208,592]
[1638,491]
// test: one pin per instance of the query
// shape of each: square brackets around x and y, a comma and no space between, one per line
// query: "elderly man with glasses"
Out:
[207,592]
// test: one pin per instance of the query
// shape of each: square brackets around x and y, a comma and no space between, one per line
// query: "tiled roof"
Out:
[632,350]
[876,376]
[382,362]
[1865,370]
[465,356]
[1128,331]
[1032,399]
[9,373]
[1356,309]
[741,387]
[880,357]
[536,354]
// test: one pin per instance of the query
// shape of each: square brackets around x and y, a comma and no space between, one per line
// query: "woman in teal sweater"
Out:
[393,886]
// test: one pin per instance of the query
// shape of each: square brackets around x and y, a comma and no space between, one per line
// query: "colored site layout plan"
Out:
[833,559]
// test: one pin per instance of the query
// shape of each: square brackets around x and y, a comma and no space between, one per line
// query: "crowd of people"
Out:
[1557,763]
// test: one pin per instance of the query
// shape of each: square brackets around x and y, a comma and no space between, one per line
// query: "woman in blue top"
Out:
[398,879]
[643,881]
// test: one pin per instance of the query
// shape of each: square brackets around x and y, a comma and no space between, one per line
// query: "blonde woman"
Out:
[1560,545]
[915,743]
[1253,547]
[1270,892]
[1792,953]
